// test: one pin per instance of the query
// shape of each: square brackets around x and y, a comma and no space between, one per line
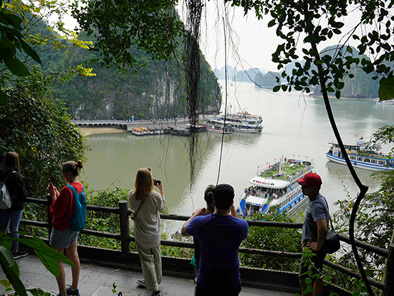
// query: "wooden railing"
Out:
[125,238]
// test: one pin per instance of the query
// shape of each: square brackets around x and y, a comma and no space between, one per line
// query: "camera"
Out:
[156,182]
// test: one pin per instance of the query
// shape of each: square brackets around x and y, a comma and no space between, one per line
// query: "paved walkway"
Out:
[96,280]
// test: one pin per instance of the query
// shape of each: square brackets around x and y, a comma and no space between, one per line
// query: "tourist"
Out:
[208,197]
[62,238]
[220,235]
[146,204]
[314,230]
[10,218]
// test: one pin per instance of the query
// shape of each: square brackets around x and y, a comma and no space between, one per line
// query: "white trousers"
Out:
[151,266]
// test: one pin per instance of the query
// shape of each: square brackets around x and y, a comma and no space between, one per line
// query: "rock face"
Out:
[157,90]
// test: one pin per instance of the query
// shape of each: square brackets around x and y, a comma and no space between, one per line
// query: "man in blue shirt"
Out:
[314,230]
[220,236]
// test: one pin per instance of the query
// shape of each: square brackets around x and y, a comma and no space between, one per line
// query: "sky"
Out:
[250,46]
[253,42]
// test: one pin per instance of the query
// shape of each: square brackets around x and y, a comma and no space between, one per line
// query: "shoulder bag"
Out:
[332,243]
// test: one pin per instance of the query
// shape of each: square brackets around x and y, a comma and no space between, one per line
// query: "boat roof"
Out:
[268,183]
[255,200]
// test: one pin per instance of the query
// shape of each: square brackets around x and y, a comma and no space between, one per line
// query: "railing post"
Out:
[389,276]
[49,215]
[124,228]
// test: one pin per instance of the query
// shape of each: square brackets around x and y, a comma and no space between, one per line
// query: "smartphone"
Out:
[156,182]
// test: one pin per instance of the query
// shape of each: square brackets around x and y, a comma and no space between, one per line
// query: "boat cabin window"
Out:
[367,160]
[381,162]
[373,160]
[360,159]
[352,157]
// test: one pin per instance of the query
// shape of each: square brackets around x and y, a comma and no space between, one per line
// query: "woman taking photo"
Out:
[62,237]
[9,172]
[146,204]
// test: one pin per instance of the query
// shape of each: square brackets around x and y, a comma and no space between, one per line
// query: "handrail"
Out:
[125,237]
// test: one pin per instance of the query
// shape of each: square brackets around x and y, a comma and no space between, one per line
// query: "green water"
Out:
[294,126]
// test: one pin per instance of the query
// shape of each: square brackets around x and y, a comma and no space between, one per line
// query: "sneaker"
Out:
[156,293]
[20,254]
[72,292]
[141,283]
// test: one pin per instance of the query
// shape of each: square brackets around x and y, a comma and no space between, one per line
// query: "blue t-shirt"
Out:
[317,210]
[220,238]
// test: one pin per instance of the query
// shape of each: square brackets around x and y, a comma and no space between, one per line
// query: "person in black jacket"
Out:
[12,217]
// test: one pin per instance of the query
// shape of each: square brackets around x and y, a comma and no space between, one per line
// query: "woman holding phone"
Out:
[146,204]
[62,237]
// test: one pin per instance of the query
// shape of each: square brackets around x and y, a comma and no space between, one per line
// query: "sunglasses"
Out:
[306,186]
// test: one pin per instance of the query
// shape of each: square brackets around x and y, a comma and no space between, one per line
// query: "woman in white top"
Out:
[147,227]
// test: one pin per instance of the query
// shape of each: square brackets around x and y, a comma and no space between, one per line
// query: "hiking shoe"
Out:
[156,293]
[141,283]
[20,254]
[72,292]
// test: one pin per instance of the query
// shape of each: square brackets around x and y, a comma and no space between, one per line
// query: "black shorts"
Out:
[317,262]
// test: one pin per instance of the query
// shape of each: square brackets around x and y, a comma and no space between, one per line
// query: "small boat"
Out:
[218,126]
[137,131]
[179,131]
[144,130]
[275,187]
[198,128]
[363,155]
[154,130]
[385,102]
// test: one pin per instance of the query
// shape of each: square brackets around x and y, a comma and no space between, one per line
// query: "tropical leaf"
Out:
[386,89]
[11,270]
[48,256]
[16,66]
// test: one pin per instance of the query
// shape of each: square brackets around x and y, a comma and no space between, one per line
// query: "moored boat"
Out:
[218,126]
[179,131]
[363,155]
[137,131]
[275,187]
[243,123]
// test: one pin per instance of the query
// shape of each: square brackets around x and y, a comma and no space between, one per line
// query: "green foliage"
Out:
[39,129]
[100,221]
[152,26]
[304,19]
[12,42]
[373,223]
[272,238]
[48,256]
[385,135]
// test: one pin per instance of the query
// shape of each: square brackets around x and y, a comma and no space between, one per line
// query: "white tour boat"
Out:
[218,126]
[275,187]
[363,155]
[243,122]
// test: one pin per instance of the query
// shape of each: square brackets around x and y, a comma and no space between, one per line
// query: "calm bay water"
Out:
[294,126]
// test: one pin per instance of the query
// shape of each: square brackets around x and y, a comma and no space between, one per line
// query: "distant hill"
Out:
[361,86]
[238,75]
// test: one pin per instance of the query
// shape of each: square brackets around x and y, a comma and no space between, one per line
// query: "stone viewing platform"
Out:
[96,280]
